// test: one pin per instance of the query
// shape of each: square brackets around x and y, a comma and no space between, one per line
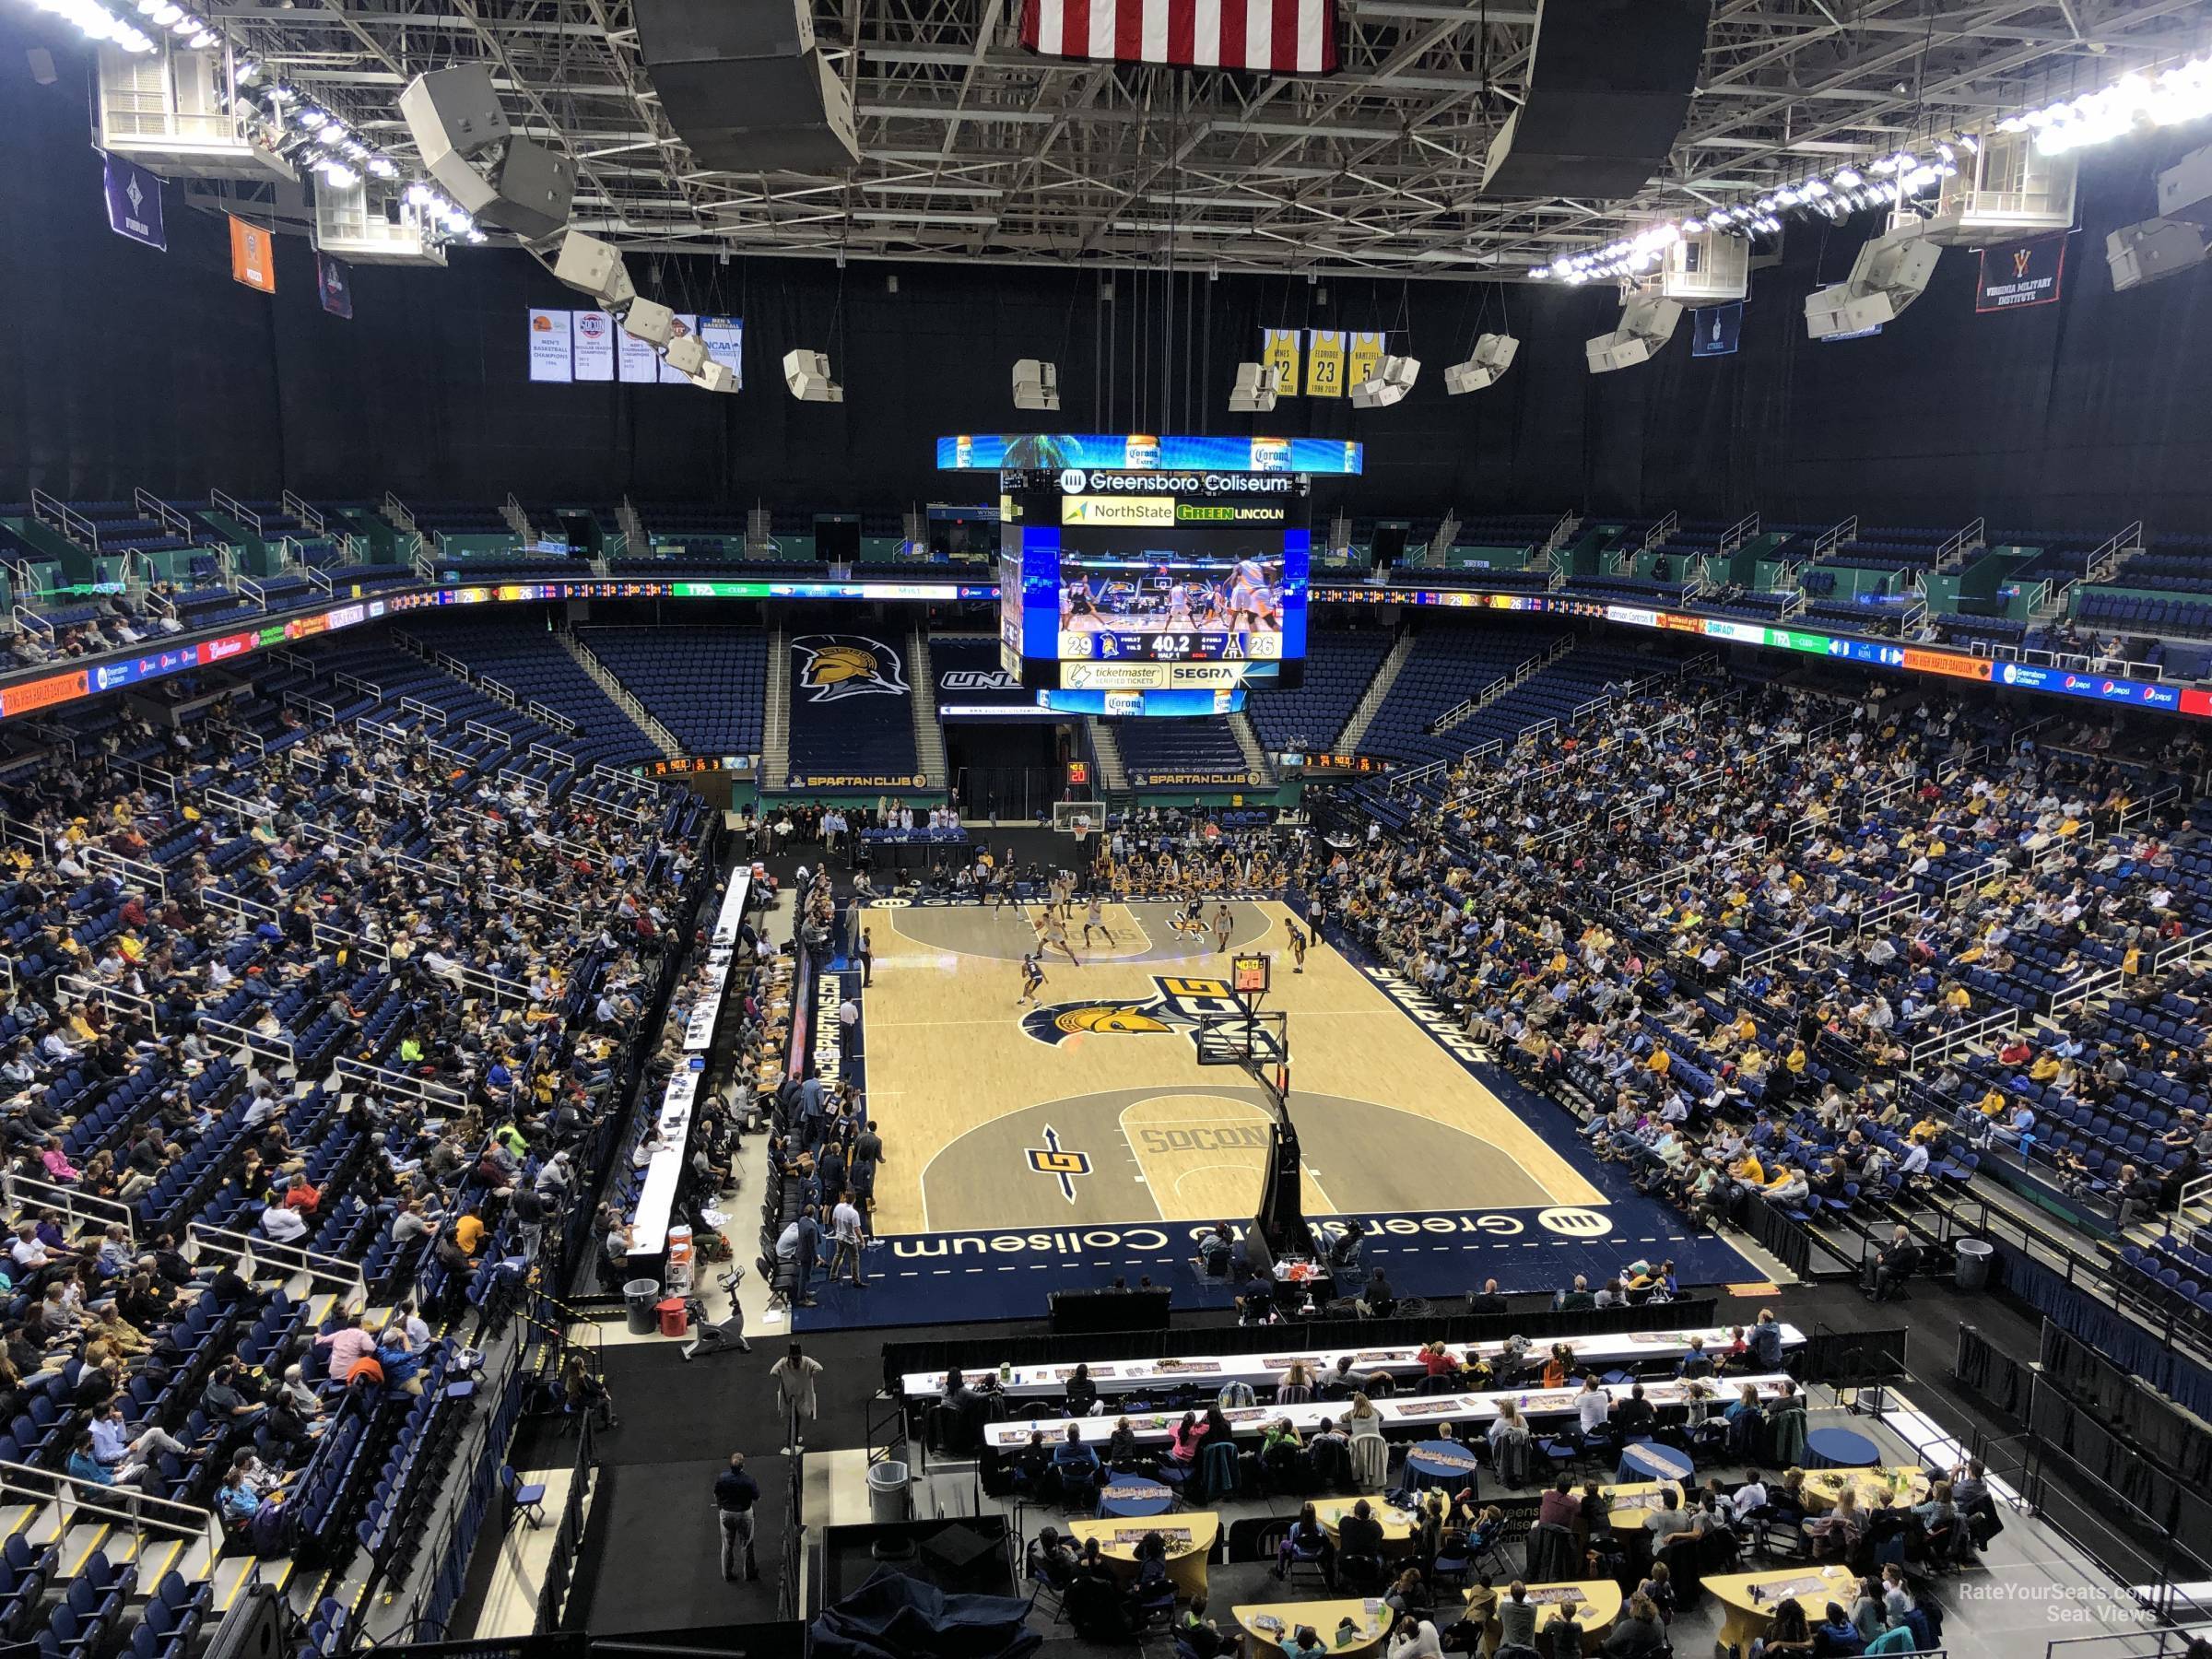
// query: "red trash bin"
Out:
[675,1320]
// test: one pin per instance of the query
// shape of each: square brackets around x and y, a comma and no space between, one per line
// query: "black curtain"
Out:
[127,367]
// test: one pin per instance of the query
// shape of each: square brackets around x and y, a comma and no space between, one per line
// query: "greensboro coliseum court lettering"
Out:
[1569,1222]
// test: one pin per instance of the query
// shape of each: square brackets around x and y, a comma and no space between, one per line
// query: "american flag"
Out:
[1279,37]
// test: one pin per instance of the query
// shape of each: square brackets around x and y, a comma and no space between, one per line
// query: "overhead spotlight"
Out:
[1847,178]
[1647,322]
[1255,390]
[2174,241]
[1972,145]
[1036,384]
[420,194]
[1493,356]
[808,375]
[716,377]
[1891,272]
[1387,384]
[593,268]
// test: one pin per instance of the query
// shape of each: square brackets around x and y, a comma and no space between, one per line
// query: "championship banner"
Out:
[592,334]
[252,255]
[1366,357]
[135,204]
[1325,363]
[549,352]
[637,363]
[2021,273]
[334,281]
[1279,350]
[687,323]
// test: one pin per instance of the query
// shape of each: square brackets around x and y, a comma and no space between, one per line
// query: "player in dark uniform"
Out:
[1032,979]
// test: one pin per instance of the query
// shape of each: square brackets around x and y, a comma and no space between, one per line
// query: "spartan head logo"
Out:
[842,665]
[1178,1005]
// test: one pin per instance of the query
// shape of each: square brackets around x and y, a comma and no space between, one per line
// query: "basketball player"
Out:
[1298,948]
[1248,600]
[1096,917]
[1032,979]
[1192,920]
[1223,923]
[1055,936]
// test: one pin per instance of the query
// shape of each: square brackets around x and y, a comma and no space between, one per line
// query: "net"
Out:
[1077,817]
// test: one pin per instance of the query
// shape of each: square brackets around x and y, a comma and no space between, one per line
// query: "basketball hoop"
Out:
[1079,827]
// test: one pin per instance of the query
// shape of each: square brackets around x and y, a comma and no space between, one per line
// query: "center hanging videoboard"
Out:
[1153,591]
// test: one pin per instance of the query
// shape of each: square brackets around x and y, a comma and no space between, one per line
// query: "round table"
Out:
[1840,1449]
[1189,1537]
[1751,1598]
[1647,1460]
[1125,1498]
[1439,1463]
[1396,1524]
[1905,1484]
[1323,1616]
[1633,1502]
[1600,1600]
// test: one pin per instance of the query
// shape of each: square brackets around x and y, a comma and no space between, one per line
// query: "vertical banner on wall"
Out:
[636,362]
[334,281]
[724,341]
[2021,273]
[1719,327]
[1325,363]
[549,352]
[1279,350]
[135,204]
[592,335]
[252,255]
[685,323]
[1366,357]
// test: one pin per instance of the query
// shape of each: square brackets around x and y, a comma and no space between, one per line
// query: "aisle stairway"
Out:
[775,718]
[929,737]
[1355,729]
[1113,780]
[1255,758]
[620,695]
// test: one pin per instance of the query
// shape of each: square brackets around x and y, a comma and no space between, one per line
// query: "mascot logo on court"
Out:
[842,665]
[1179,1005]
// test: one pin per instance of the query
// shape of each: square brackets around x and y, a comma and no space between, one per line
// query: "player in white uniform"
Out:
[1055,937]
[1094,916]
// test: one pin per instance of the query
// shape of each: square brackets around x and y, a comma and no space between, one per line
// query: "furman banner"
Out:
[334,281]
[135,203]
[2021,273]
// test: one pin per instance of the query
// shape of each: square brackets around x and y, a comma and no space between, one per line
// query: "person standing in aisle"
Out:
[845,1233]
[735,1493]
[795,1375]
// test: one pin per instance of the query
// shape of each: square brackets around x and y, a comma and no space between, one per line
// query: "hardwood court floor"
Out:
[1094,1108]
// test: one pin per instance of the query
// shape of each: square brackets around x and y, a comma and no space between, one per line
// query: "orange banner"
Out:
[42,693]
[1943,662]
[252,255]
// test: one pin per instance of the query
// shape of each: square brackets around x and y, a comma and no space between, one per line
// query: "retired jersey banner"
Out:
[135,204]
[1275,37]
[1279,350]
[2021,273]
[1366,358]
[1719,327]
[1325,363]
[252,255]
[334,281]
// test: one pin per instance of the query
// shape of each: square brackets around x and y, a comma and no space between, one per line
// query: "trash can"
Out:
[887,1491]
[675,1320]
[1974,1259]
[642,1295]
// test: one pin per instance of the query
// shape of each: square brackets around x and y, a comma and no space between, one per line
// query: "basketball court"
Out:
[1091,1106]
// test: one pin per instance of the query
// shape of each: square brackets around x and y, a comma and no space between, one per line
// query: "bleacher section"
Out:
[1340,666]
[534,668]
[1165,754]
[851,714]
[1448,665]
[704,684]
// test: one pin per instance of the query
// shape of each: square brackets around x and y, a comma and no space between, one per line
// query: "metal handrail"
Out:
[246,1251]
[26,1191]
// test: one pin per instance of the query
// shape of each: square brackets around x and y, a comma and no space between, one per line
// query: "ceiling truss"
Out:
[975,150]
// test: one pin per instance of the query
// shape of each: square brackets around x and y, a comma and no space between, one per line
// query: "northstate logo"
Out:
[1177,1005]
[842,665]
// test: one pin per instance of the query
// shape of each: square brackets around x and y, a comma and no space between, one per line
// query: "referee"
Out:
[735,1492]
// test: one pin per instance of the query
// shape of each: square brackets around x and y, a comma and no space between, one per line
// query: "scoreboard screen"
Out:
[1123,582]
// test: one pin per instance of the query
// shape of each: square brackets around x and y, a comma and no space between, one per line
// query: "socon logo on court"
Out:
[1177,1005]
[842,665]
[1059,1162]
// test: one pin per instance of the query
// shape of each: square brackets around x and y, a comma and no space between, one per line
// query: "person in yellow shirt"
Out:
[1993,1103]
[1661,1062]
[1921,1132]
[1748,1170]
[2045,1068]
[468,1233]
